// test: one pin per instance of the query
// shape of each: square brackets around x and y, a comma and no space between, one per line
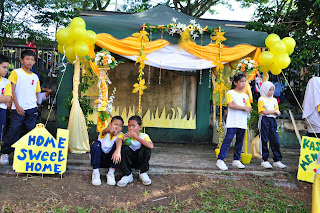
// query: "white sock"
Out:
[111,171]
[96,171]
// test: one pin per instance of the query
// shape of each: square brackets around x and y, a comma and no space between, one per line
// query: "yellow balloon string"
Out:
[299,104]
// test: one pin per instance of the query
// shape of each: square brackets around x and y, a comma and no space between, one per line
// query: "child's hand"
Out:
[248,109]
[278,113]
[116,157]
[132,135]
[20,111]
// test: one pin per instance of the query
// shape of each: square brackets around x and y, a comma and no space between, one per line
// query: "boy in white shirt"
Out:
[5,92]
[106,151]
[25,85]
[135,153]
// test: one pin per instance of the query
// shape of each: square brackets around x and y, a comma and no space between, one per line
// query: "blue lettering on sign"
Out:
[44,155]
[47,166]
[40,140]
[23,151]
[53,154]
[48,141]
[38,167]
[29,166]
[61,142]
[56,168]
[60,157]
[36,156]
[31,139]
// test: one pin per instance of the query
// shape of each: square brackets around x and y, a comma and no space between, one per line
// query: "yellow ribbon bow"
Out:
[219,87]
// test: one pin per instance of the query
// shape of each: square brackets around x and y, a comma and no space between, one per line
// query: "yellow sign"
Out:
[308,158]
[39,152]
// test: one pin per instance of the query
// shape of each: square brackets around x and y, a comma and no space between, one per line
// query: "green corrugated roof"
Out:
[122,26]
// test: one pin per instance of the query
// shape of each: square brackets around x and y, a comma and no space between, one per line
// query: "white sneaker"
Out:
[266,165]
[145,179]
[96,181]
[110,179]
[221,165]
[4,159]
[125,180]
[238,164]
[279,165]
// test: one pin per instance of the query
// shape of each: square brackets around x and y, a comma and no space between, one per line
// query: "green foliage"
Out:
[299,19]
[195,8]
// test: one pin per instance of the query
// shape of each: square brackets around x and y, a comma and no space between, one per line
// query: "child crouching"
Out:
[106,151]
[135,153]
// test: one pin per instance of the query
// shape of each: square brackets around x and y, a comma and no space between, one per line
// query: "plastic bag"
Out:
[255,148]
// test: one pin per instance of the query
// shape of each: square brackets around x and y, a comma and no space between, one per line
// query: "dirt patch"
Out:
[167,193]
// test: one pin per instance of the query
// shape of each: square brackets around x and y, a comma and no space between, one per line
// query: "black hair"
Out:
[237,77]
[25,53]
[31,38]
[136,118]
[117,118]
[3,59]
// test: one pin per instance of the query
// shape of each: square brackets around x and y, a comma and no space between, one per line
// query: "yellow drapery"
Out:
[129,46]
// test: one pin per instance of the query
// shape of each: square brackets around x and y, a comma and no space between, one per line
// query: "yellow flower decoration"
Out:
[219,37]
[143,35]
[218,63]
[101,109]
[141,60]
[219,87]
[190,27]
[139,87]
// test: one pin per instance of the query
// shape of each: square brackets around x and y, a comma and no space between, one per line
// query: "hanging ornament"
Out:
[160,58]
[149,72]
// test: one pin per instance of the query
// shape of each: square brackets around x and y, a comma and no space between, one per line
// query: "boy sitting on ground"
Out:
[135,153]
[106,151]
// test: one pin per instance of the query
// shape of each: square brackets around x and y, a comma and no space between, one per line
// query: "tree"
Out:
[295,18]
[17,17]
[195,8]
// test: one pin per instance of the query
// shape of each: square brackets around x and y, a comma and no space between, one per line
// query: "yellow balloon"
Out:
[77,22]
[264,68]
[290,43]
[81,48]
[69,50]
[63,36]
[282,61]
[60,49]
[71,59]
[92,37]
[271,39]
[275,70]
[265,58]
[290,51]
[277,48]
[79,34]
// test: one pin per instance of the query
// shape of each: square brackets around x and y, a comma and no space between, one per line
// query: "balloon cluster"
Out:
[74,40]
[277,58]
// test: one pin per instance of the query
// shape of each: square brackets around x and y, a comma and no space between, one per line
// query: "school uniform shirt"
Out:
[135,145]
[267,104]
[41,97]
[27,85]
[237,118]
[5,90]
[107,142]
